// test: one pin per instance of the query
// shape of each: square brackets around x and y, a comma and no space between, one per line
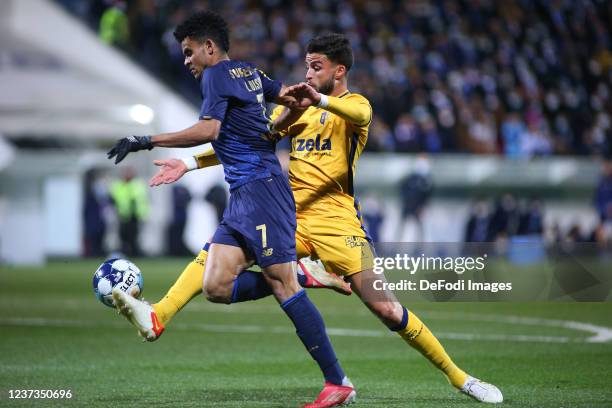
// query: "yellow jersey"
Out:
[325,147]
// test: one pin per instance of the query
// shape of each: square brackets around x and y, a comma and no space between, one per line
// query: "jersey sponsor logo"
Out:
[323,117]
[309,145]
[267,252]
[353,241]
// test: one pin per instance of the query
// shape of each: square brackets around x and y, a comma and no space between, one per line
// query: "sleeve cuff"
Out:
[190,162]
[324,102]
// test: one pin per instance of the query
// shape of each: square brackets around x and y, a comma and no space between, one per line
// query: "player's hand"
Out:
[304,94]
[170,171]
[127,145]
[285,99]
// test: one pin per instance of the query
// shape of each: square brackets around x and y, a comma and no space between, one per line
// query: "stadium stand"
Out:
[515,78]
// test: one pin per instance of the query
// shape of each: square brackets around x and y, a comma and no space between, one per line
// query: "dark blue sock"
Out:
[404,322]
[311,330]
[250,285]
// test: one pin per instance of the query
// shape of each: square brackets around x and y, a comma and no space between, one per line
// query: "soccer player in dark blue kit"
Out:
[259,223]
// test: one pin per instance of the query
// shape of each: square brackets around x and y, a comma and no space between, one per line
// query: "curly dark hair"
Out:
[203,25]
[336,47]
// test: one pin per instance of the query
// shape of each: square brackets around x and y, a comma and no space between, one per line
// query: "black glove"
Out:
[127,145]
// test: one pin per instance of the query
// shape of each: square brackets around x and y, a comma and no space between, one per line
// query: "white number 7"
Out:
[264,240]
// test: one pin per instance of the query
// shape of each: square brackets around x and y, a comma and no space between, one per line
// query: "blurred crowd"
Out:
[503,218]
[519,78]
[509,216]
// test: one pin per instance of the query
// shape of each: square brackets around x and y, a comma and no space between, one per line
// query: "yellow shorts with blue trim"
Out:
[340,243]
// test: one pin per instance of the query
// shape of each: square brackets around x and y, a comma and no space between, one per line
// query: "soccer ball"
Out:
[117,273]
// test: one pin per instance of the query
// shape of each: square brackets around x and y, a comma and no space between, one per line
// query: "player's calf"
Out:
[223,264]
[282,280]
[388,311]
[217,292]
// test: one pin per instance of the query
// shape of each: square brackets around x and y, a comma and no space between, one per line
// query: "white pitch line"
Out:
[601,334]
[598,334]
[254,329]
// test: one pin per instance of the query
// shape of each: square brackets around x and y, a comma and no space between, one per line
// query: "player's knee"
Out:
[217,293]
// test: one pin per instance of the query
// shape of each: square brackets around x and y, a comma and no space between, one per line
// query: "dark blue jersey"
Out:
[236,93]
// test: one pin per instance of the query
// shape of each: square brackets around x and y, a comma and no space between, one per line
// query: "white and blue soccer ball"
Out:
[117,273]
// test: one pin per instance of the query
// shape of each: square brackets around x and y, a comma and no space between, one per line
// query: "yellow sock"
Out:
[186,287]
[421,338]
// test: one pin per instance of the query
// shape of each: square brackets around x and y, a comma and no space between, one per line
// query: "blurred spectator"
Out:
[415,192]
[531,221]
[95,203]
[534,141]
[505,219]
[603,234]
[603,193]
[217,196]
[380,138]
[512,130]
[114,28]
[176,229]
[477,227]
[574,234]
[598,137]
[147,33]
[406,134]
[373,216]
[431,139]
[482,134]
[131,202]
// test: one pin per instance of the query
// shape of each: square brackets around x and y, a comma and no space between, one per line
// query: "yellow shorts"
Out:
[339,243]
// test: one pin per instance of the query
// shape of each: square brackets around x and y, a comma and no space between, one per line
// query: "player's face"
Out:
[195,56]
[321,73]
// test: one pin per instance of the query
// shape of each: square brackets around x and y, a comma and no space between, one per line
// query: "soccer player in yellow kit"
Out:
[326,141]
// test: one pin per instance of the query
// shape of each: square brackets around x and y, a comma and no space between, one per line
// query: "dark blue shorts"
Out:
[260,218]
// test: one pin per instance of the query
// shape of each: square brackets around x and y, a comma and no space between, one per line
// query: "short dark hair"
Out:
[203,25]
[336,47]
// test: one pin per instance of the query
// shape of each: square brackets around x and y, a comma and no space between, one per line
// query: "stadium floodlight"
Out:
[142,114]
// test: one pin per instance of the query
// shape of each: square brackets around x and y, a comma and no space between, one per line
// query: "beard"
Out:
[326,87]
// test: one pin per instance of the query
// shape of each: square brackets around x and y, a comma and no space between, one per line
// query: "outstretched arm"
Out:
[202,132]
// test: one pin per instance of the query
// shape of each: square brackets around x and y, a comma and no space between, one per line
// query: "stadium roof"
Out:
[59,80]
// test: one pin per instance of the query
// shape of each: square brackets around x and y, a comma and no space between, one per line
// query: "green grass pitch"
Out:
[54,334]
